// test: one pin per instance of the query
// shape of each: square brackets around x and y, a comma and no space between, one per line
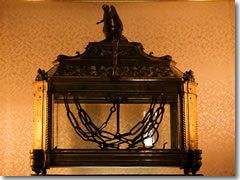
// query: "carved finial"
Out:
[78,53]
[41,75]
[151,53]
[188,76]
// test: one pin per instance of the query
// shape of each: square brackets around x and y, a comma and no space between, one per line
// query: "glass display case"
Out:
[114,105]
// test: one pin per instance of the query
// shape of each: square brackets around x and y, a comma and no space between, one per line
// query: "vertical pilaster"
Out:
[40,114]
[190,109]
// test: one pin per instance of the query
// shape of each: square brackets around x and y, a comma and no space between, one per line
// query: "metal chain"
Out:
[144,129]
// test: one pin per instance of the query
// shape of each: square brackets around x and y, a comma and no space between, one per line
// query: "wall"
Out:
[198,35]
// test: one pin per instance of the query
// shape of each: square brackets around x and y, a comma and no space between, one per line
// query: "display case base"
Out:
[189,161]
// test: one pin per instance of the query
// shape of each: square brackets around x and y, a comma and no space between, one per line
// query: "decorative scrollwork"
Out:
[123,71]
[61,56]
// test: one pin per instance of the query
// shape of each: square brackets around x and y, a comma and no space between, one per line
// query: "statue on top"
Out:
[113,26]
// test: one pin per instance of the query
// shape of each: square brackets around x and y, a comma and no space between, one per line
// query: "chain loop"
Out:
[113,108]
[144,129]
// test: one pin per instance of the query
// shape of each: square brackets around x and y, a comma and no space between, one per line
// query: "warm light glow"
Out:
[37,135]
[150,140]
[144,113]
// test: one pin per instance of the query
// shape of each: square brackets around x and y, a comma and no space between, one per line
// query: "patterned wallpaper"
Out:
[198,35]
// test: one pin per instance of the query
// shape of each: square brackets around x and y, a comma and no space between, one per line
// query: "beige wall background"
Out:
[198,35]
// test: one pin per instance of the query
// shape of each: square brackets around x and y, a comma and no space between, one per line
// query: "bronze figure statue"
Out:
[107,28]
[113,26]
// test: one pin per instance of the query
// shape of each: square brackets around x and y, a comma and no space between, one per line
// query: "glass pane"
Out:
[65,136]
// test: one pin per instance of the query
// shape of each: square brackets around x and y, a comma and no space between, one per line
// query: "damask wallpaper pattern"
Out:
[198,35]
